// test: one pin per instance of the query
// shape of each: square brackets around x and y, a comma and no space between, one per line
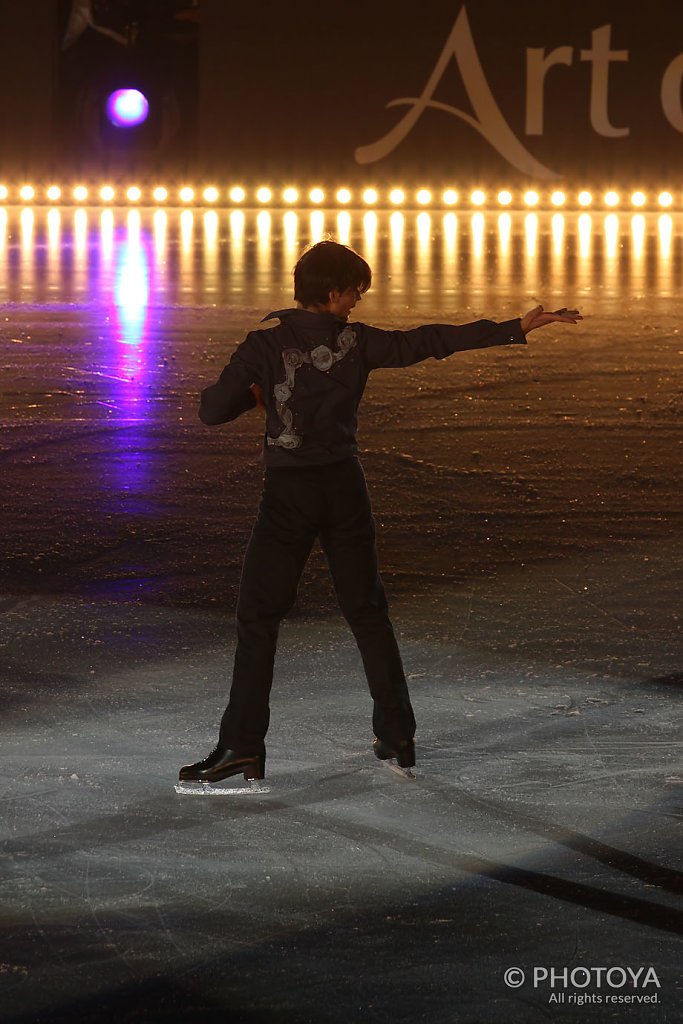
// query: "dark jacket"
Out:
[312,369]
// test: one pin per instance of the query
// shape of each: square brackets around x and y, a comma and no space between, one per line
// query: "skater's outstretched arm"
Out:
[404,348]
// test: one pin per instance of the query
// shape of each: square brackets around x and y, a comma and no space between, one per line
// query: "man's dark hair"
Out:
[325,267]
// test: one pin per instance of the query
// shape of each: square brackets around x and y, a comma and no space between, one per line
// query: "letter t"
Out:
[601,55]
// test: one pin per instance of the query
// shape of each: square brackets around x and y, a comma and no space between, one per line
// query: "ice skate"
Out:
[401,759]
[210,776]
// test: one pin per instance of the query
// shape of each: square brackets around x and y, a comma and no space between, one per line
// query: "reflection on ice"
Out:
[244,256]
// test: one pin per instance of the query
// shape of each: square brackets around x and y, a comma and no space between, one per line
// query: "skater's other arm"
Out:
[233,393]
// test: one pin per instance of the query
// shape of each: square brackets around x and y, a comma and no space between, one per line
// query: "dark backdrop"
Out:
[296,91]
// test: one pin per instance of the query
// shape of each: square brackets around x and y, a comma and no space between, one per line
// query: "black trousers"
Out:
[330,502]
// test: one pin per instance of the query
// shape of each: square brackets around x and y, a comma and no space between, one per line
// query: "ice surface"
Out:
[529,524]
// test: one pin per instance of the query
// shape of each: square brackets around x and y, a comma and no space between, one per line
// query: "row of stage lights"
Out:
[370,197]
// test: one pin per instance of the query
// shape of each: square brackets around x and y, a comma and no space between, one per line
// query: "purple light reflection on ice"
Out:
[131,471]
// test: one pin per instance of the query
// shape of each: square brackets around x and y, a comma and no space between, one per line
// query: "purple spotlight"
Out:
[127,108]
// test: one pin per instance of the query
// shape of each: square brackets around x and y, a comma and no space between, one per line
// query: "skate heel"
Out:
[257,770]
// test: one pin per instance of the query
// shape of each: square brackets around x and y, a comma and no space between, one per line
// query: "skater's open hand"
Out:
[538,317]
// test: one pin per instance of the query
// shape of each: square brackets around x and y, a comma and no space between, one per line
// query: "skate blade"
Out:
[254,787]
[405,773]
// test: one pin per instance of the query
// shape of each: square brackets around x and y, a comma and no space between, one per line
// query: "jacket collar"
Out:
[306,319]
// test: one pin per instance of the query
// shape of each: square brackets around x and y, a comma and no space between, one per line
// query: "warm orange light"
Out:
[290,223]
[424,228]
[263,225]
[585,225]
[317,225]
[344,196]
[344,226]
[558,232]
[450,229]
[478,225]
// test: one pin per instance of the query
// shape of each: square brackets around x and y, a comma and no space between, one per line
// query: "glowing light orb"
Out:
[160,193]
[396,196]
[558,198]
[665,199]
[211,194]
[107,193]
[343,195]
[290,195]
[423,197]
[585,198]
[504,197]
[316,195]
[127,108]
[27,192]
[264,195]
[450,197]
[54,192]
[237,195]
[478,198]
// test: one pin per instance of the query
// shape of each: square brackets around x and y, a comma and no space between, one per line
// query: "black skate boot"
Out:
[401,757]
[222,763]
[404,752]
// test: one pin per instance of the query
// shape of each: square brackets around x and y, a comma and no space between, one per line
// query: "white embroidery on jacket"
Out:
[322,358]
